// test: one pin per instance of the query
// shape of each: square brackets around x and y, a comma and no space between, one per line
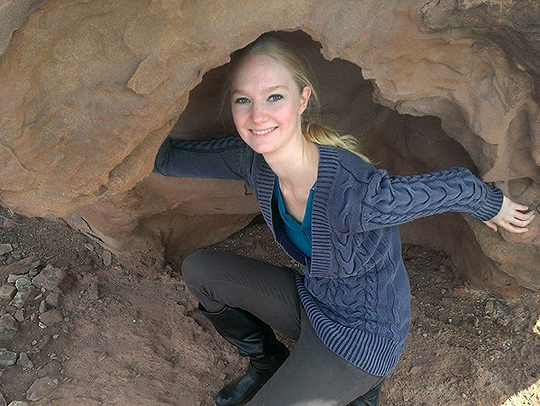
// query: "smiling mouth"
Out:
[263,132]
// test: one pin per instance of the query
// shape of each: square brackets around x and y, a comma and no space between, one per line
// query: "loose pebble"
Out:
[7,357]
[7,292]
[52,369]
[5,248]
[20,267]
[53,299]
[12,278]
[51,317]
[49,278]
[18,403]
[107,257]
[24,289]
[42,306]
[41,388]
[24,361]
[19,315]
[2,400]
[8,327]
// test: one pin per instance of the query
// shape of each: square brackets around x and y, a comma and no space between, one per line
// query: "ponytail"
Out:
[323,135]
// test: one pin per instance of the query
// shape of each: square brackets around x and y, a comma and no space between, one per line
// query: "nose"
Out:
[258,113]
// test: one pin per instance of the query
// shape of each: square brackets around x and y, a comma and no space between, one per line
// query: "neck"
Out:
[296,164]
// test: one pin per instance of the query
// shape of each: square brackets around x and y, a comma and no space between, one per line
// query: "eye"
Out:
[275,97]
[242,100]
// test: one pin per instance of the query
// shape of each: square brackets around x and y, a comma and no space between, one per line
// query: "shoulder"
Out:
[344,166]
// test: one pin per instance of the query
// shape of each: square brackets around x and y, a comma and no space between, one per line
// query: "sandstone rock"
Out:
[7,292]
[107,257]
[8,327]
[24,290]
[473,65]
[20,267]
[24,361]
[53,299]
[14,278]
[7,358]
[52,369]
[51,317]
[49,278]
[5,248]
[41,388]
[19,315]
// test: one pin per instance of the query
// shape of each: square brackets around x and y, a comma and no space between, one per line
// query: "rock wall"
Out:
[89,90]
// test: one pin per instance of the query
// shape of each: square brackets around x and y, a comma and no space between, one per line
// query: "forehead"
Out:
[259,71]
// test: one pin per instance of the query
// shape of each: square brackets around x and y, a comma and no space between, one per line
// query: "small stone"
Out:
[7,292]
[24,361]
[24,289]
[19,316]
[38,297]
[12,278]
[53,299]
[51,369]
[20,267]
[49,278]
[415,369]
[33,317]
[8,327]
[51,317]
[89,247]
[42,306]
[5,248]
[41,388]
[7,358]
[490,307]
[18,403]
[2,400]
[107,257]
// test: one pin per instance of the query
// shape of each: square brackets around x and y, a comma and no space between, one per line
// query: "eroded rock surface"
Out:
[89,90]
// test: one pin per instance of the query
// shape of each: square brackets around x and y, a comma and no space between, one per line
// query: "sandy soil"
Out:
[131,336]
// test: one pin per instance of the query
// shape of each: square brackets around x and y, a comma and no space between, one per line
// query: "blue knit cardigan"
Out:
[355,288]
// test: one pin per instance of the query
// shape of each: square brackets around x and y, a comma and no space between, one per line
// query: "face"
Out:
[267,104]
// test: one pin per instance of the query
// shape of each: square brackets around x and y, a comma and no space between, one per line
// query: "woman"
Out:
[337,216]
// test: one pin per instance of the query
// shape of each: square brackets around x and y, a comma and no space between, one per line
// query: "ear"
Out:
[304,99]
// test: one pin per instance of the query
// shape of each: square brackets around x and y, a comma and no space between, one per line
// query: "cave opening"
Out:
[401,144]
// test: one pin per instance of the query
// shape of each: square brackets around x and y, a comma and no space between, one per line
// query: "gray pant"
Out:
[312,375]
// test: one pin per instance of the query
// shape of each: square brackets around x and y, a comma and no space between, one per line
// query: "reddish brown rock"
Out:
[89,90]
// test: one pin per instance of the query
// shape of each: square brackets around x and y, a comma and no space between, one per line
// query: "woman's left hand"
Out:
[513,217]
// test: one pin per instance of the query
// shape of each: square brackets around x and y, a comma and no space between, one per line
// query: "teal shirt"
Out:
[299,234]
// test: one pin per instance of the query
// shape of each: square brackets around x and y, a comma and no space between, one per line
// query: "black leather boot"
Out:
[254,339]
[372,398]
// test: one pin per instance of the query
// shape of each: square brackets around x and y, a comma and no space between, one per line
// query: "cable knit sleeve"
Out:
[395,200]
[216,158]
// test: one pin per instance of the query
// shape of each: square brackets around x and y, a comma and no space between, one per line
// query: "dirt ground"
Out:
[130,335]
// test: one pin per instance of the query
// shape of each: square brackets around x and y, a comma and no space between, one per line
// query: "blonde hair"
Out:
[283,53]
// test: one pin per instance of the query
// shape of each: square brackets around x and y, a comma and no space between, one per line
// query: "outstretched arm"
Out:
[390,201]
[216,158]
[512,217]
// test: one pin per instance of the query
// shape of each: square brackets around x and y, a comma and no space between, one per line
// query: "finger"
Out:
[514,229]
[520,223]
[491,225]
[524,216]
[520,207]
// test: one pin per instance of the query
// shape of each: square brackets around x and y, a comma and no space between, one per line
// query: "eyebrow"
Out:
[267,90]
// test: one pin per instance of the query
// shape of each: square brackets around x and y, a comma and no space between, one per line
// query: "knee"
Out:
[195,267]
